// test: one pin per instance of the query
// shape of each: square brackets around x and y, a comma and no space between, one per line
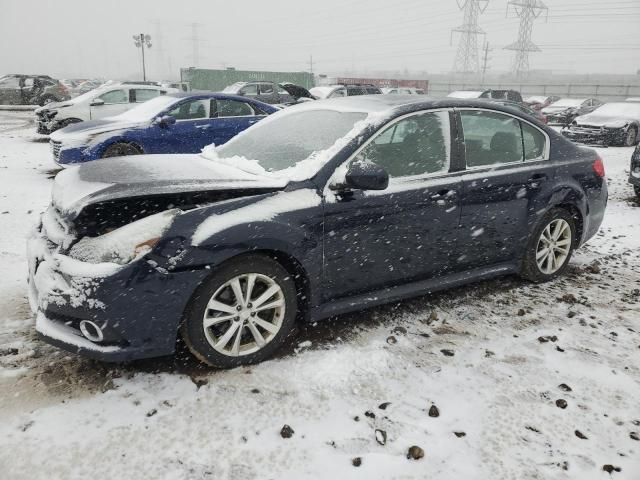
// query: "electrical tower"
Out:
[528,11]
[195,44]
[467,55]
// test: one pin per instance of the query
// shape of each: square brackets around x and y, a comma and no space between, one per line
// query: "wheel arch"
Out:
[116,140]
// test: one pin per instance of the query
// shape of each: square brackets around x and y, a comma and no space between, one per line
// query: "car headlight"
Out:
[618,124]
[126,243]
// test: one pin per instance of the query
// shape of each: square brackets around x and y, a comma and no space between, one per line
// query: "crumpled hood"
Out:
[91,127]
[601,120]
[552,109]
[54,106]
[148,175]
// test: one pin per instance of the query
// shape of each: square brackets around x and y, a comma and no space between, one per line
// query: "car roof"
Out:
[397,104]
[217,95]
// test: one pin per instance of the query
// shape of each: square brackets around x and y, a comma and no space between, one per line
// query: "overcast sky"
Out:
[85,38]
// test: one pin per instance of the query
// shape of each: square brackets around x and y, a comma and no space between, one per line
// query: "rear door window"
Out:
[491,138]
[266,89]
[249,90]
[534,142]
[115,96]
[143,94]
[191,110]
[233,108]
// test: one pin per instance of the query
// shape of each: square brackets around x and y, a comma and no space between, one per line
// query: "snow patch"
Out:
[266,209]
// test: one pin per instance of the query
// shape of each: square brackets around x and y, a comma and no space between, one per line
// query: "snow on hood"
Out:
[612,113]
[263,210]
[142,175]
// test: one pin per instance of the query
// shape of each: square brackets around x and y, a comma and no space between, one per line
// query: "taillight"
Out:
[598,166]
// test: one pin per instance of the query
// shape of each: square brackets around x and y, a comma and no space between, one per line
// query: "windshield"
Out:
[568,102]
[629,109]
[148,110]
[287,140]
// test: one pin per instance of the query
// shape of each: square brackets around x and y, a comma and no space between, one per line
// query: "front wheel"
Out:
[636,189]
[631,138]
[242,314]
[550,247]
[120,150]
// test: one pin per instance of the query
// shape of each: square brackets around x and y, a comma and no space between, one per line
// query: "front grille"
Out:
[587,129]
[55,149]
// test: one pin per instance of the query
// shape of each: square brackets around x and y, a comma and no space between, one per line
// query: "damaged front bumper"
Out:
[597,136]
[137,307]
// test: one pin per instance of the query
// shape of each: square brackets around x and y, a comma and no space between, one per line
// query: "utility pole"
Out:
[528,11]
[467,55]
[485,62]
[311,63]
[140,41]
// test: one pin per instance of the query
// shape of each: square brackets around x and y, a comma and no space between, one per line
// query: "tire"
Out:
[631,138]
[121,149]
[539,267]
[636,189]
[46,100]
[231,350]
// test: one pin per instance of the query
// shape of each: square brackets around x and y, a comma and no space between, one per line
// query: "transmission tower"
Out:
[467,55]
[528,11]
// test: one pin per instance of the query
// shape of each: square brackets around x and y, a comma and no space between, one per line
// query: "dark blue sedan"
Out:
[323,208]
[175,123]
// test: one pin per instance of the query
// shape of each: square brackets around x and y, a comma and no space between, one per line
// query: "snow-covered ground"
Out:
[499,360]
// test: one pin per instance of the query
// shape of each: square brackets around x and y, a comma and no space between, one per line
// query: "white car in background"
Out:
[105,101]
[402,91]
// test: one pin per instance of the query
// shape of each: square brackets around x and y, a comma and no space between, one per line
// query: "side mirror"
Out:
[366,176]
[97,102]
[165,120]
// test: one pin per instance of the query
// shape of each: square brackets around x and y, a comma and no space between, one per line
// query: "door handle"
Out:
[444,193]
[535,180]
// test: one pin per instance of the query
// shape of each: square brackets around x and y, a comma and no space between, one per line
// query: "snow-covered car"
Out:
[402,91]
[284,93]
[634,171]
[105,101]
[538,102]
[19,89]
[496,94]
[172,123]
[320,209]
[610,124]
[347,90]
[565,110]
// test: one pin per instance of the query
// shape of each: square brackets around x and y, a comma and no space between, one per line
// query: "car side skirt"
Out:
[414,289]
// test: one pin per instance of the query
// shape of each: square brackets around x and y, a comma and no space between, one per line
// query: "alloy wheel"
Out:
[554,246]
[244,314]
[631,137]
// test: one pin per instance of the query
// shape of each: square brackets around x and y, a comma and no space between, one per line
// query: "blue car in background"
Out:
[175,123]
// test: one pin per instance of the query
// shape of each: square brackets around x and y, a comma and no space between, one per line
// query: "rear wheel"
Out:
[550,247]
[242,314]
[121,149]
[631,138]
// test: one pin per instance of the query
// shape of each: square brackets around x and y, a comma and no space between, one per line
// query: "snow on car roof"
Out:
[465,94]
